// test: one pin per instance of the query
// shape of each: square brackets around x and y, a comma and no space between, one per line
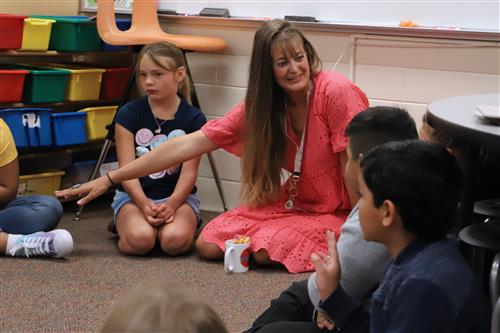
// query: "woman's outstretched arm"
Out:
[169,153]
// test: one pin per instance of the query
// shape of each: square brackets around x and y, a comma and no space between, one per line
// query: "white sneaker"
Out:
[56,243]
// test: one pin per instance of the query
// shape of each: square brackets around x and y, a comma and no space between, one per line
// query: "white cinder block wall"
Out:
[395,71]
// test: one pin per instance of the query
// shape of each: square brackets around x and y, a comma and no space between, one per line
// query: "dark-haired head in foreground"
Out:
[421,180]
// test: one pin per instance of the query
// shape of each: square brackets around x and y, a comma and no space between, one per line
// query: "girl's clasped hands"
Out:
[157,214]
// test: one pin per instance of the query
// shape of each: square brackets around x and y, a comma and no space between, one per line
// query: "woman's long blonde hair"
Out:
[265,114]
[175,59]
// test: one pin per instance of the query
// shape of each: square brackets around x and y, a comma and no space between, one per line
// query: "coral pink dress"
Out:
[291,236]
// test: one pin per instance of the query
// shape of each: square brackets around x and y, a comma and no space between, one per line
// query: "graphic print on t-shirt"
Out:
[147,141]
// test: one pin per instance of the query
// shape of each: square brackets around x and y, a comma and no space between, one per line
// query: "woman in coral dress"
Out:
[293,118]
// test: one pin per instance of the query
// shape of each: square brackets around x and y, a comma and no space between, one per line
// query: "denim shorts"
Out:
[121,198]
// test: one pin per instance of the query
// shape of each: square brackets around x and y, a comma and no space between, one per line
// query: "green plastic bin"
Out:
[73,33]
[45,85]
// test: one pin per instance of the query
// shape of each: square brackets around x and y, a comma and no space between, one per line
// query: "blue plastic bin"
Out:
[123,25]
[14,119]
[31,127]
[69,128]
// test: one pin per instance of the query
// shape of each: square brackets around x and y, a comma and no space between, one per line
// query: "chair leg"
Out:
[195,101]
[495,322]
[217,180]
[97,166]
[495,279]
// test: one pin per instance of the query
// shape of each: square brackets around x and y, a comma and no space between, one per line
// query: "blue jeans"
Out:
[30,213]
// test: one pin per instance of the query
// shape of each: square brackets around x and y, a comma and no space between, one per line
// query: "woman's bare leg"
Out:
[208,250]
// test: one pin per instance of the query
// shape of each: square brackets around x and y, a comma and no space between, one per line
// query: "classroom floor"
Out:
[75,294]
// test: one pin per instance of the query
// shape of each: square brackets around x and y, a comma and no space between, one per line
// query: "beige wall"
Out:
[398,71]
[39,7]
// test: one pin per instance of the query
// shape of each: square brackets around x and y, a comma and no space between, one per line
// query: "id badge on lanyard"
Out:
[293,190]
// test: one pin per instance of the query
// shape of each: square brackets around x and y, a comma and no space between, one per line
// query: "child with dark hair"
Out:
[363,262]
[408,194]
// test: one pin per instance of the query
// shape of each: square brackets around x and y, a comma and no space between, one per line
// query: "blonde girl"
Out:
[162,206]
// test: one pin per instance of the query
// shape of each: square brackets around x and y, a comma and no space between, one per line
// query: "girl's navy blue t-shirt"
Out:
[138,118]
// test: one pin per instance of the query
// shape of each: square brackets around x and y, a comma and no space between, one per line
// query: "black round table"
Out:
[456,117]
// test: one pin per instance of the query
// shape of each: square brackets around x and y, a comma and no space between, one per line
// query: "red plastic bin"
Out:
[114,82]
[11,84]
[11,31]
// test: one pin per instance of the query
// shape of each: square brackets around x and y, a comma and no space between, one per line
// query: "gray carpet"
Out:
[75,294]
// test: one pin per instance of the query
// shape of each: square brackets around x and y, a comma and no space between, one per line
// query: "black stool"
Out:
[483,240]
[488,208]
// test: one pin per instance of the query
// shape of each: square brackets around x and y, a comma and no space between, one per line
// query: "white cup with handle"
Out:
[236,257]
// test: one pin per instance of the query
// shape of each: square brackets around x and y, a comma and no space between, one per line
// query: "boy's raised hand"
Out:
[327,268]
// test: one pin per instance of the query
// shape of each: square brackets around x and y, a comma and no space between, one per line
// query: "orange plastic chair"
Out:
[146,29]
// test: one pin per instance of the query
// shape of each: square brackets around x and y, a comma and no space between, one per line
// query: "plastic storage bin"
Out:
[41,183]
[11,31]
[114,82]
[31,127]
[123,25]
[14,119]
[97,120]
[45,85]
[73,33]
[11,84]
[69,128]
[36,34]
[84,83]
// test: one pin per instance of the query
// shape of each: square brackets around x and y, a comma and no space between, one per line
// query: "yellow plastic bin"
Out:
[40,183]
[36,34]
[97,120]
[84,84]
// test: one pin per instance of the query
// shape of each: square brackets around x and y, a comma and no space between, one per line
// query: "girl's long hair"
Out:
[175,60]
[265,113]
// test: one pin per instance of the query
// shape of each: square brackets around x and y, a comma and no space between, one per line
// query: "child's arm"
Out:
[9,165]
[126,153]
[9,181]
[344,311]
[183,188]
[169,153]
